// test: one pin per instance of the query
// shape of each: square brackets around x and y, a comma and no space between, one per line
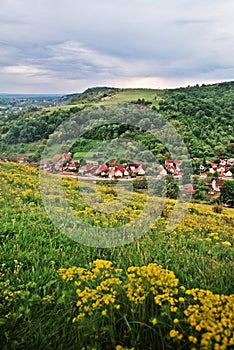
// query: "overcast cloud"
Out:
[54,46]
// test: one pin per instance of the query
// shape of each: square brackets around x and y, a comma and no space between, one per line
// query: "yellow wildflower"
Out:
[192,339]
[104,312]
[174,333]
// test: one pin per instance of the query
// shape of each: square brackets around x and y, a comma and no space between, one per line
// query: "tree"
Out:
[226,193]
[200,193]
[220,150]
[172,190]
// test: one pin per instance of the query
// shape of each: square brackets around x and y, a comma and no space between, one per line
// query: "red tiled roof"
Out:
[119,168]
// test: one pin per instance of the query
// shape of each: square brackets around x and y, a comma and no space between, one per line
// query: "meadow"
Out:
[165,290]
[128,95]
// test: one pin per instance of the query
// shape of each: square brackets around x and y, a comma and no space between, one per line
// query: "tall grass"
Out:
[37,306]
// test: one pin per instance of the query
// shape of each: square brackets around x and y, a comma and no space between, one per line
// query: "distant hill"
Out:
[202,115]
[110,94]
[95,94]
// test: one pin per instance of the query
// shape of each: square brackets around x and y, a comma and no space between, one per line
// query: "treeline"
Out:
[31,125]
[202,115]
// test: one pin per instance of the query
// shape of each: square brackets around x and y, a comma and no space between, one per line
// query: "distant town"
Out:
[213,174]
[17,102]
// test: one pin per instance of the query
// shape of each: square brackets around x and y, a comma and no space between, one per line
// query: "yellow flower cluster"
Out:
[103,291]
[7,294]
[10,295]
[151,279]
[198,317]
[213,316]
[19,183]
[205,226]
[176,334]
[107,210]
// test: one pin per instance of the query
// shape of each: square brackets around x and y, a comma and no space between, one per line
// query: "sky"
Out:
[57,46]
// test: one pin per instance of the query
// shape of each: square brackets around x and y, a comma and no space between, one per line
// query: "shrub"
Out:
[140,183]
[217,208]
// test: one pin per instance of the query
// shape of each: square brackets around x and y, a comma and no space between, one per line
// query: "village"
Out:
[212,174]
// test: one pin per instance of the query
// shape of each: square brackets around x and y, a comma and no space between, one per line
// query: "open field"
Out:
[129,95]
[62,108]
[59,294]
[103,95]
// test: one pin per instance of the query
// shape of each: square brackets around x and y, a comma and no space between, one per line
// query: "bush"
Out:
[140,183]
[172,190]
[217,208]
[200,194]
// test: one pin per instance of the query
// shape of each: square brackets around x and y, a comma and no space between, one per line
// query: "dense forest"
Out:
[202,115]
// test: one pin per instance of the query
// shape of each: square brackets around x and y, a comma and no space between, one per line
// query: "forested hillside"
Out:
[203,116]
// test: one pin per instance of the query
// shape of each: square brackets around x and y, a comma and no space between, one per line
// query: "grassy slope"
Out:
[128,95]
[120,95]
[32,250]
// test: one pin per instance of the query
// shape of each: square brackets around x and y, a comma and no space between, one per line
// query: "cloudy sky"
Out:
[58,46]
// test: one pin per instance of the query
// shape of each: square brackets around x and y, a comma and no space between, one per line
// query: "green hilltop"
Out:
[106,94]
[202,115]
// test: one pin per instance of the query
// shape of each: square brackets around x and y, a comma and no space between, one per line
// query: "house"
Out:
[102,169]
[187,189]
[67,155]
[211,193]
[221,169]
[104,173]
[202,168]
[112,164]
[214,165]
[58,166]
[119,171]
[72,166]
[212,171]
[133,165]
[47,167]
[162,171]
[217,184]
[230,161]
[89,167]
[111,173]
[139,170]
[170,163]
[228,174]
[173,166]
[223,162]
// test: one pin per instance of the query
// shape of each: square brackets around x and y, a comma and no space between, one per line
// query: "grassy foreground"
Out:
[163,291]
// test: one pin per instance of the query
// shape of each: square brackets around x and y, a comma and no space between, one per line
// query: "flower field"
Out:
[165,290]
